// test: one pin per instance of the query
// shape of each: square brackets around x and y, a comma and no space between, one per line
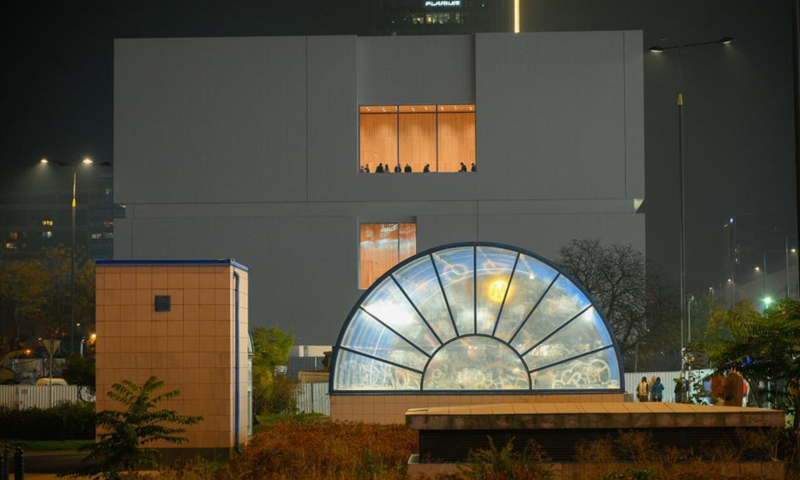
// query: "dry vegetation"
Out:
[316,449]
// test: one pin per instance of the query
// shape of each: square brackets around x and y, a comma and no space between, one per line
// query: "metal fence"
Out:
[21,397]
[313,398]
[632,380]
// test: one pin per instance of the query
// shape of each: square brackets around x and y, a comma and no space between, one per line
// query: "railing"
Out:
[6,466]
[21,397]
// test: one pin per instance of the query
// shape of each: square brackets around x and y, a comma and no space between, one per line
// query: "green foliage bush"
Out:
[65,421]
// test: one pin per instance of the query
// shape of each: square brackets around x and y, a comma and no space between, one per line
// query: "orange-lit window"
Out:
[384,245]
[417,138]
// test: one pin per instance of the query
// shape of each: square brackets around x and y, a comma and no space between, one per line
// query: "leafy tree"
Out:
[763,348]
[121,445]
[80,370]
[638,306]
[271,350]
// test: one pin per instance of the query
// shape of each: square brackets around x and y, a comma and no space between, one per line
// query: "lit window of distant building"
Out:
[96,236]
[47,223]
[417,138]
[47,234]
[13,235]
[382,246]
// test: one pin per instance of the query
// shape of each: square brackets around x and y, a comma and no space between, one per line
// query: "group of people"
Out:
[381,168]
[652,391]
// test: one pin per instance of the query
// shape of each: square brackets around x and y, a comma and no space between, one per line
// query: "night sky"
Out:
[57,69]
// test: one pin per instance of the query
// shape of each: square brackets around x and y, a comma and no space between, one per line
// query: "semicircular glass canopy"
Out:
[475,317]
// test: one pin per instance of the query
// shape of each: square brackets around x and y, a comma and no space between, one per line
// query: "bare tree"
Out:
[615,276]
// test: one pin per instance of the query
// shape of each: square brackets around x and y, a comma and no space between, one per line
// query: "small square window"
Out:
[163,303]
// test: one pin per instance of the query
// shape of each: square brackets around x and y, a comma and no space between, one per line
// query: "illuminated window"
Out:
[11,246]
[47,223]
[417,138]
[384,245]
[97,236]
[13,235]
[47,234]
[108,224]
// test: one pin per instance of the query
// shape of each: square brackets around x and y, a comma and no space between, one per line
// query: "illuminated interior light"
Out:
[497,290]
[516,16]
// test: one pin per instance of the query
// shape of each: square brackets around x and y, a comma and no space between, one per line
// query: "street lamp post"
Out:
[679,49]
[74,167]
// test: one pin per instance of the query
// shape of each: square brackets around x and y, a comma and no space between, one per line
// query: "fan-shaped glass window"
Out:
[474,318]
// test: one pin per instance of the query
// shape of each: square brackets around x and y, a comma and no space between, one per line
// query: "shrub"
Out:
[65,421]
[507,464]
[122,442]
[323,449]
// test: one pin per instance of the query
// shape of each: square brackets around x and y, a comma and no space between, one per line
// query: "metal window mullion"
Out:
[416,309]
[534,308]
[444,294]
[555,364]
[561,327]
[394,331]
[373,357]
[505,296]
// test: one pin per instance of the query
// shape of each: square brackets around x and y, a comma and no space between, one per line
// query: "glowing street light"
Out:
[74,167]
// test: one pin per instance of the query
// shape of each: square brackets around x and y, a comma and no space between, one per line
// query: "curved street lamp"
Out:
[679,49]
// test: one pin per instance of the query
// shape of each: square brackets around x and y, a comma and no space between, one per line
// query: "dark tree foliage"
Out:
[125,434]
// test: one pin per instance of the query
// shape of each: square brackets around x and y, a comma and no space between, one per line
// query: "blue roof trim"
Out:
[163,263]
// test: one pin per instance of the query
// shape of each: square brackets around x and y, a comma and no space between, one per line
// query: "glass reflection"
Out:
[531,279]
[456,268]
[579,336]
[369,336]
[356,372]
[388,304]
[494,274]
[562,302]
[598,370]
[418,279]
[476,363]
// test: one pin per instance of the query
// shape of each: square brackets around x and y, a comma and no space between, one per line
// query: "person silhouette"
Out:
[397,168]
[379,168]
[407,168]
[463,167]
[366,168]
[472,168]
[427,168]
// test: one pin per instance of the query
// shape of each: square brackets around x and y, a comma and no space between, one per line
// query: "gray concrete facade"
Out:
[247,148]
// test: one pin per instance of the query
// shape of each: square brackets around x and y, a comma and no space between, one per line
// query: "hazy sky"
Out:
[58,93]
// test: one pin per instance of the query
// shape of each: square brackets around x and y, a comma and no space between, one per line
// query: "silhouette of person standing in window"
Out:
[427,168]
[472,168]
[407,169]
[463,167]
[379,169]
[366,168]
[397,168]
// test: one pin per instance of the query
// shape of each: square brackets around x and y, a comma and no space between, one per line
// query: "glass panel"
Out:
[367,335]
[379,245]
[531,279]
[408,241]
[388,304]
[494,272]
[476,363]
[584,334]
[598,370]
[456,134]
[456,269]
[419,281]
[356,372]
[562,302]
[418,141]
[378,140]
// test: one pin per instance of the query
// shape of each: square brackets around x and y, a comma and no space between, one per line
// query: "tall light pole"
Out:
[792,250]
[74,167]
[679,49]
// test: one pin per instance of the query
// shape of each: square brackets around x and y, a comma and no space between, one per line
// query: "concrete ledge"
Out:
[537,416]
